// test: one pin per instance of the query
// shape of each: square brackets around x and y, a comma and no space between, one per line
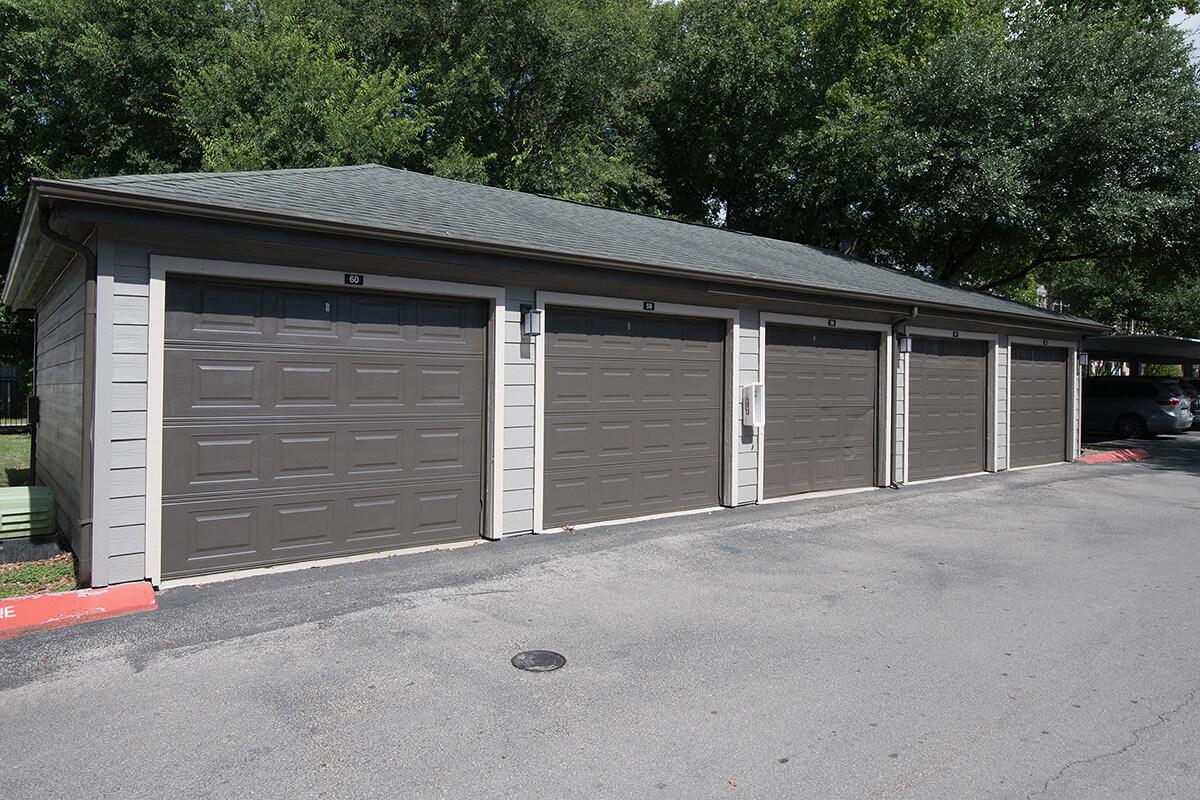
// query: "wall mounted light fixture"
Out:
[531,320]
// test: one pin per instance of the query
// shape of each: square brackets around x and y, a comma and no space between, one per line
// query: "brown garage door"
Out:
[633,415]
[307,423]
[822,390]
[947,408]
[1039,405]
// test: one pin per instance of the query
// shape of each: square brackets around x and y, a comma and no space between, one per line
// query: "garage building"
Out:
[246,370]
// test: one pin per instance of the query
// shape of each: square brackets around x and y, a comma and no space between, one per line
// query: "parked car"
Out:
[1136,406]
[1191,386]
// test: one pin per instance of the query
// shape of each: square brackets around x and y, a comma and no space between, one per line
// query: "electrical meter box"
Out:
[754,405]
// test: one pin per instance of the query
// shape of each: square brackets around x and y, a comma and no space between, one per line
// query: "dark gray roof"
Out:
[410,203]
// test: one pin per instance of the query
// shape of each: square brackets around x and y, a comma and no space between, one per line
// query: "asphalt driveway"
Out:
[1033,634]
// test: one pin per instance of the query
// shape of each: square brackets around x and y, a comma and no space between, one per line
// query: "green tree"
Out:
[88,89]
[267,93]
[998,145]
[538,95]
[550,94]
[1037,140]
[766,118]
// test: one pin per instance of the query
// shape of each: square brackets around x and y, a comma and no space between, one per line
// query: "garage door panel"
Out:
[374,321]
[306,384]
[822,391]
[221,533]
[1039,407]
[307,314]
[218,310]
[818,469]
[225,532]
[622,336]
[220,383]
[814,385]
[339,452]
[308,524]
[633,415]
[601,385]
[574,496]
[376,451]
[242,314]
[804,430]
[332,423]
[645,437]
[947,408]
[216,458]
[321,383]
[305,457]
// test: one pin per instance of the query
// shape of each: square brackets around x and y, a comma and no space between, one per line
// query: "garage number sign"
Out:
[354,279]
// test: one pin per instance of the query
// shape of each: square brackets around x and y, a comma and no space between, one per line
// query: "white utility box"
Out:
[754,405]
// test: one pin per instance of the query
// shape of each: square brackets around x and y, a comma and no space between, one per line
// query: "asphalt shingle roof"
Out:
[403,202]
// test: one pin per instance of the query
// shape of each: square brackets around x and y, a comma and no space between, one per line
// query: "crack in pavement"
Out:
[1163,718]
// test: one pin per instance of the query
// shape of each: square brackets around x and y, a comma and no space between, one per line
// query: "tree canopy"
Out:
[1000,145]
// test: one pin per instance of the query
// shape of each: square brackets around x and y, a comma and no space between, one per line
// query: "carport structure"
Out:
[243,371]
[1136,351]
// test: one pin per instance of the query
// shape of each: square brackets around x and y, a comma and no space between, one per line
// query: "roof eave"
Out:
[19,269]
[67,190]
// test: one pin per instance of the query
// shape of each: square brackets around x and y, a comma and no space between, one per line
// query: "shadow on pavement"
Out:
[1179,453]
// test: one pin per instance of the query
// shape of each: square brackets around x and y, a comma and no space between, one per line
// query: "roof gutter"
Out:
[90,194]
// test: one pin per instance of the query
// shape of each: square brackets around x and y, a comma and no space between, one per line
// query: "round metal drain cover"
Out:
[538,661]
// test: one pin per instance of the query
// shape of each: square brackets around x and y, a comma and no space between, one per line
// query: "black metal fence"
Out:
[14,399]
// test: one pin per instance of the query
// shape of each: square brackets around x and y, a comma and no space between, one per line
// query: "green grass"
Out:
[34,577]
[30,577]
[14,459]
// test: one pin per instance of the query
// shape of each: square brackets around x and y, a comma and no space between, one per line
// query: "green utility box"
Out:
[26,511]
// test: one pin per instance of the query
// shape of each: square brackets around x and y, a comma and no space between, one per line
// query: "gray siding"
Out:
[124,542]
[750,440]
[1002,372]
[1078,410]
[518,415]
[900,430]
[59,385]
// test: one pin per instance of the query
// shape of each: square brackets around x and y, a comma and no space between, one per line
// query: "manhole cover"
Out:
[538,661]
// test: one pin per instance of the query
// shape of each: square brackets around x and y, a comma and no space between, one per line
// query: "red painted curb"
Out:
[41,612]
[1115,456]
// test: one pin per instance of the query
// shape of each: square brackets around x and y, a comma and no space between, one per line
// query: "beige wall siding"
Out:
[1002,400]
[518,415]
[900,429]
[59,387]
[1078,408]
[125,483]
[749,441]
